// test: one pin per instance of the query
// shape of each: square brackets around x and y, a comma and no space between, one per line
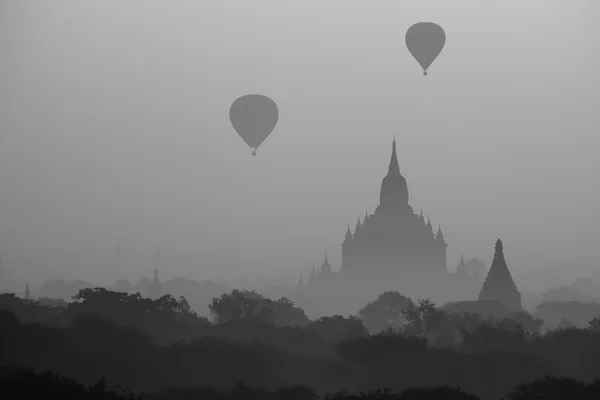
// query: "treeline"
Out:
[149,345]
[20,383]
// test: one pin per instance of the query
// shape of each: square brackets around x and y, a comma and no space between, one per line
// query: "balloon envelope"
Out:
[425,41]
[254,117]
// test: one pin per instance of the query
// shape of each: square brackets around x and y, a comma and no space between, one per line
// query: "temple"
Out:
[392,248]
[499,285]
[156,291]
[394,238]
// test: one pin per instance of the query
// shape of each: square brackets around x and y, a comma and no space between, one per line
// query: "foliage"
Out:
[244,304]
[164,319]
[554,388]
[337,328]
[32,310]
[387,312]
[594,324]
[149,345]
[24,383]
[425,320]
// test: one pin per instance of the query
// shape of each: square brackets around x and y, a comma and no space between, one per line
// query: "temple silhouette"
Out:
[393,239]
[155,291]
[499,285]
[395,249]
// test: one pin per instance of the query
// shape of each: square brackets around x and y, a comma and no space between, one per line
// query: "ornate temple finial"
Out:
[394,165]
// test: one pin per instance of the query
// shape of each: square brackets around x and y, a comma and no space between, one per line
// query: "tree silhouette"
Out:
[386,312]
[550,388]
[249,305]
[240,304]
[164,319]
[337,328]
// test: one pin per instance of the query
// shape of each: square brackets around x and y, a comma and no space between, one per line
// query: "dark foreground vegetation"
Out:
[256,348]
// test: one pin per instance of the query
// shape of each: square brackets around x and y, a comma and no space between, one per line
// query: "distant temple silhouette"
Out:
[393,238]
[499,285]
[155,291]
[462,269]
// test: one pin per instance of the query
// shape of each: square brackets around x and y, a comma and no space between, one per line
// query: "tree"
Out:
[386,312]
[241,304]
[165,319]
[285,313]
[594,324]
[337,328]
[550,388]
[504,335]
[425,319]
[527,321]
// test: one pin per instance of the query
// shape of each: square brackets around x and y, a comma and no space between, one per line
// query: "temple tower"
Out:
[499,285]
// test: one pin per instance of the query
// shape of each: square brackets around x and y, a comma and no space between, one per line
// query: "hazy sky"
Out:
[114,129]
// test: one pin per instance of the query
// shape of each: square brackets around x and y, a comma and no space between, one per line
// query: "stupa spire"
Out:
[394,167]
[499,285]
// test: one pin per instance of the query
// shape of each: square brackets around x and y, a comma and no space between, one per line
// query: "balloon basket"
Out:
[425,73]
[254,152]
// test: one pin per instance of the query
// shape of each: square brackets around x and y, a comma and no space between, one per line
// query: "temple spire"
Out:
[394,167]
[348,233]
[499,285]
[313,275]
[439,235]
[326,267]
[462,269]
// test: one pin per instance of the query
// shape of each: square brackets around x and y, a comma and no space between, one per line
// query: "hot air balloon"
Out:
[425,41]
[254,117]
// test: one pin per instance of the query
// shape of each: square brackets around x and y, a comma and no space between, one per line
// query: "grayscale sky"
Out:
[114,128]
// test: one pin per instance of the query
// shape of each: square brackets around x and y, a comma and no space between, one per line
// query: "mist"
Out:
[114,130]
